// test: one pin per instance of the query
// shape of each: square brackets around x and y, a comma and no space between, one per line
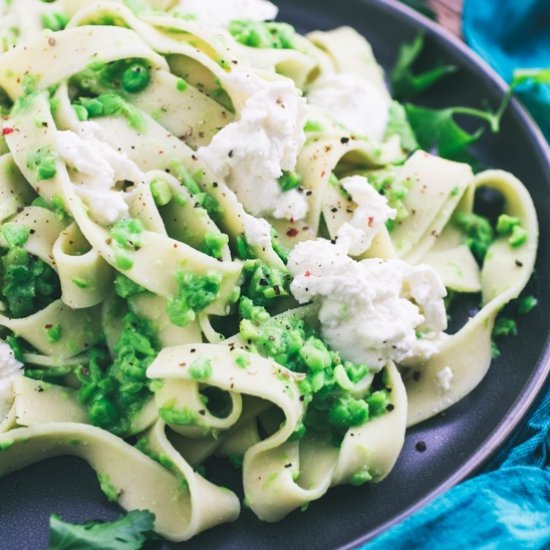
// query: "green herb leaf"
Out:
[129,532]
[540,76]
[405,83]
[437,128]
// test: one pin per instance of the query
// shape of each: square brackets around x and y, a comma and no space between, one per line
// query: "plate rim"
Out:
[540,375]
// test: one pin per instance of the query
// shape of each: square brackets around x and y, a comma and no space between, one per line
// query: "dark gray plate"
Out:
[458,442]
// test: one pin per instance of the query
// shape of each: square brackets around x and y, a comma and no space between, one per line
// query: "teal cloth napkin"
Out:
[513,34]
[508,506]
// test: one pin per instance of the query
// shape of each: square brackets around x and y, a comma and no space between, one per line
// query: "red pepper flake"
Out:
[370,221]
[307,274]
[6,131]
[292,232]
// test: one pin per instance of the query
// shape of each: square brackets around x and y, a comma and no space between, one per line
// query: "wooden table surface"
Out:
[449,14]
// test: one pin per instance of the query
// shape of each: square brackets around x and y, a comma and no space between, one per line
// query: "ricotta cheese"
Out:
[369,217]
[352,101]
[251,153]
[444,379]
[222,12]
[10,369]
[98,168]
[371,311]
[256,231]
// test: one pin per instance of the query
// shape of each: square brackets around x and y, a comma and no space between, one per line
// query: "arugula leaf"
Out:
[130,532]
[539,76]
[438,128]
[405,83]
[532,88]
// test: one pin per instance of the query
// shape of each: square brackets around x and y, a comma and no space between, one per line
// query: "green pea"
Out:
[123,261]
[315,355]
[161,191]
[289,180]
[54,20]
[103,412]
[136,78]
[81,112]
[94,107]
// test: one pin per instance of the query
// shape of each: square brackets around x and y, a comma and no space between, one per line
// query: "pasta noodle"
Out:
[196,261]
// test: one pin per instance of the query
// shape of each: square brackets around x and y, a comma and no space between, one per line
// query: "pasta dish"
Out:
[220,238]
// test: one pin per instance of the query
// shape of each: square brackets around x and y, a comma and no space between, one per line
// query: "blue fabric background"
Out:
[513,34]
[508,506]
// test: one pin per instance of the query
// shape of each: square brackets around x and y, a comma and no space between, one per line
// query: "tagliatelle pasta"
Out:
[217,240]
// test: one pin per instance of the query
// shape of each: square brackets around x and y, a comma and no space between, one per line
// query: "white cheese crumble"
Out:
[10,369]
[351,100]
[373,310]
[368,219]
[98,168]
[444,379]
[222,12]
[256,231]
[252,152]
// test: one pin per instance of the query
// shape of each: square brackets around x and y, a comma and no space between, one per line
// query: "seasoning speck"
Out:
[421,447]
